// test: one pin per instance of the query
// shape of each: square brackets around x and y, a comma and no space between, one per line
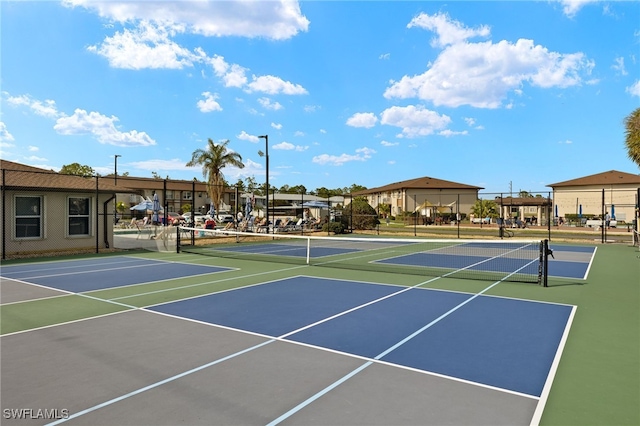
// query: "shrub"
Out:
[335,227]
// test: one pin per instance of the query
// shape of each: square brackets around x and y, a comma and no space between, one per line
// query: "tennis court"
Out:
[167,338]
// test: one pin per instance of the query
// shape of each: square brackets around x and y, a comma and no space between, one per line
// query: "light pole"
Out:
[115,175]
[266,154]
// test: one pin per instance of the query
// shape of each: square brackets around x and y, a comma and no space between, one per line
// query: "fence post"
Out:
[193,206]
[97,215]
[549,212]
[458,217]
[4,209]
[603,232]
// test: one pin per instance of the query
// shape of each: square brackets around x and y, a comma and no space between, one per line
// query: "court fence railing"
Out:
[46,213]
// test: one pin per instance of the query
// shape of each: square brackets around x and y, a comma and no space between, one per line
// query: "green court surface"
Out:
[597,380]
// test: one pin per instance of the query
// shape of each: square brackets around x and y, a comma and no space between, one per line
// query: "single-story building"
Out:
[46,212]
[532,210]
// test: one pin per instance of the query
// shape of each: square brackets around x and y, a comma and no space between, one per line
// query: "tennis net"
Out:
[512,260]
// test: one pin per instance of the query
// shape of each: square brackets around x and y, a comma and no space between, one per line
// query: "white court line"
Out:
[593,256]
[185,373]
[162,382]
[542,402]
[300,406]
[324,391]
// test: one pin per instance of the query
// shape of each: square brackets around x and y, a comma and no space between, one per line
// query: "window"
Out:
[186,195]
[79,216]
[169,195]
[28,217]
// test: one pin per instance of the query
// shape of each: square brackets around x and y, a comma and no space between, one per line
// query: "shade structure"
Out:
[426,205]
[155,208]
[144,205]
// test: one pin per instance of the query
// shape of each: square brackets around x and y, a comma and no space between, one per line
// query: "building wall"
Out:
[55,224]
[569,199]
[409,200]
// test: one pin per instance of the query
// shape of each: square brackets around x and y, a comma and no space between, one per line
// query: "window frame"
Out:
[40,216]
[89,200]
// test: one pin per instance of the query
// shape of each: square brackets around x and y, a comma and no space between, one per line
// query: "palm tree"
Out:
[632,141]
[213,160]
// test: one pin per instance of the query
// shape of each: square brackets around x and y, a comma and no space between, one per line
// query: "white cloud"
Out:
[387,143]
[618,66]
[34,158]
[571,7]
[5,136]
[566,142]
[298,133]
[209,104]
[634,89]
[45,108]
[232,75]
[276,126]
[174,164]
[244,136]
[414,120]
[268,104]
[448,133]
[385,56]
[311,108]
[323,131]
[447,31]
[147,46]
[482,74]
[102,127]
[32,148]
[362,154]
[362,119]
[278,19]
[275,85]
[286,146]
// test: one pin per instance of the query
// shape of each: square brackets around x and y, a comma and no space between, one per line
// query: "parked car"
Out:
[197,217]
[173,216]
[225,217]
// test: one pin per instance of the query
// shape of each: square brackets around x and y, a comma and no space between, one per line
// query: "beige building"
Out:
[46,212]
[612,192]
[426,195]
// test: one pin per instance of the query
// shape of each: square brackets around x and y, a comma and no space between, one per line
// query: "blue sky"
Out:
[484,93]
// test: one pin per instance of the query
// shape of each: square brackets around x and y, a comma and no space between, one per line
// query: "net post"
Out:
[177,239]
[308,250]
[543,275]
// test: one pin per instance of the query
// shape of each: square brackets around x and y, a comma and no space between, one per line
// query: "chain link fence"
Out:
[47,213]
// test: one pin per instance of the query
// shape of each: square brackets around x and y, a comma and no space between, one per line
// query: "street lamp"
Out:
[266,154]
[115,175]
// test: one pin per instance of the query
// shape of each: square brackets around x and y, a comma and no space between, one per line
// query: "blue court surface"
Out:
[498,342]
[96,274]
[289,250]
[571,262]
[459,262]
